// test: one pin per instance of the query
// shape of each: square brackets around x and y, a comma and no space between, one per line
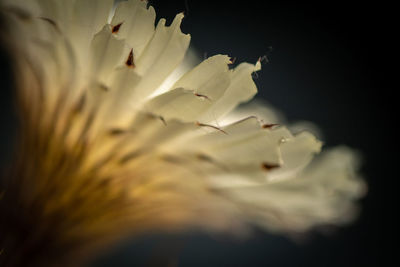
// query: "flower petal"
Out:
[161,56]
[323,193]
[91,15]
[241,89]
[297,152]
[136,24]
[195,92]
[241,143]
[106,53]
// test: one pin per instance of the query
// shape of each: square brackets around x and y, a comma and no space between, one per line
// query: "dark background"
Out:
[329,63]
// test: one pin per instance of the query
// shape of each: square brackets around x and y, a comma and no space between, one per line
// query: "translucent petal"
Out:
[161,56]
[297,152]
[195,92]
[240,143]
[323,193]
[58,11]
[210,78]
[91,15]
[241,89]
[106,53]
[137,26]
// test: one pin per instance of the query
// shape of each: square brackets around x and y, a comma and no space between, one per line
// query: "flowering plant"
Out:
[118,136]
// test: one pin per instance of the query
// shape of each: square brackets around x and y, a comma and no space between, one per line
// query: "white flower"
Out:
[116,141]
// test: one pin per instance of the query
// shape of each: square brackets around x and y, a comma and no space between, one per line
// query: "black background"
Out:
[329,63]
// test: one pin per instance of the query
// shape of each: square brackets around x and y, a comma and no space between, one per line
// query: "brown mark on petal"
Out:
[115,29]
[80,104]
[52,22]
[163,120]
[210,126]
[130,156]
[172,159]
[87,126]
[104,87]
[264,58]
[204,157]
[208,159]
[129,62]
[116,132]
[269,126]
[202,96]
[158,117]
[268,166]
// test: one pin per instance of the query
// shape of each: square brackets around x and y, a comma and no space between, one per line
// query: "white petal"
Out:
[91,15]
[241,89]
[124,83]
[156,133]
[31,8]
[58,11]
[297,152]
[266,113]
[210,78]
[137,24]
[195,92]
[323,193]
[106,53]
[116,108]
[241,143]
[161,56]
[190,61]
[178,104]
